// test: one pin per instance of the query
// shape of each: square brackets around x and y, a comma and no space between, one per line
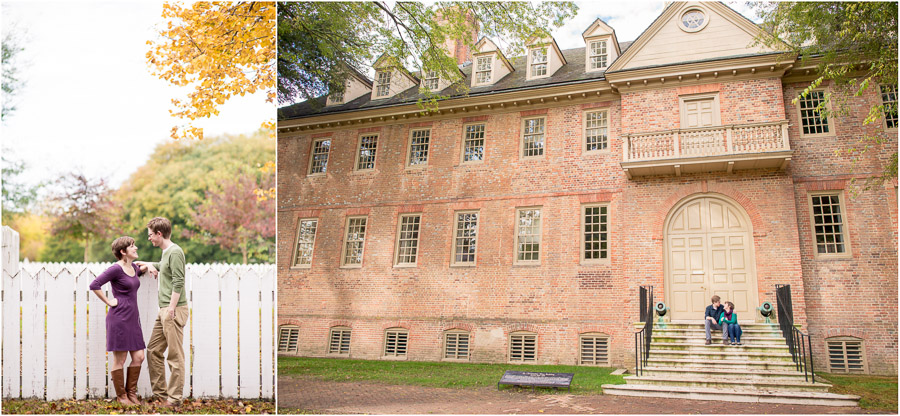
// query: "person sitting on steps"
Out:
[729,320]
[711,320]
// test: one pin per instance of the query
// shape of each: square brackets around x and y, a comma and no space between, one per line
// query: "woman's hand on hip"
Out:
[113,302]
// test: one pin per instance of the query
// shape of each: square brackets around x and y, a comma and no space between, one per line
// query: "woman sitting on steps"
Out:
[734,329]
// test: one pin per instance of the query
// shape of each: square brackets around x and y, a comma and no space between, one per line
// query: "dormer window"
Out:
[599,57]
[538,62]
[383,84]
[431,80]
[337,97]
[483,70]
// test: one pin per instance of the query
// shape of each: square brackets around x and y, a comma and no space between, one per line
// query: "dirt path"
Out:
[297,394]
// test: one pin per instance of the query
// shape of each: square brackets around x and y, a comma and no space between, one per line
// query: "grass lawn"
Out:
[587,380]
[875,392]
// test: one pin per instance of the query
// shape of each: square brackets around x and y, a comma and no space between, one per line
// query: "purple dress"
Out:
[123,324]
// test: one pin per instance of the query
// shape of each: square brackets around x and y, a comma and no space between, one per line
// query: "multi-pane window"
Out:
[383,83]
[528,235]
[368,145]
[355,241]
[456,345]
[483,69]
[408,239]
[828,224]
[318,160]
[596,131]
[473,143]
[287,338]
[812,122]
[533,137]
[465,237]
[337,96]
[889,100]
[846,355]
[538,62]
[594,349]
[306,240]
[339,340]
[418,147]
[431,80]
[598,54]
[395,342]
[595,233]
[522,347]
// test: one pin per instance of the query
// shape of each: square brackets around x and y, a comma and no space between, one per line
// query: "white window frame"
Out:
[845,233]
[312,156]
[465,140]
[884,113]
[522,334]
[533,65]
[409,148]
[543,138]
[345,241]
[479,70]
[584,131]
[429,78]
[312,251]
[582,232]
[457,333]
[455,242]
[829,121]
[383,82]
[540,237]
[592,55]
[397,253]
[359,150]
[328,347]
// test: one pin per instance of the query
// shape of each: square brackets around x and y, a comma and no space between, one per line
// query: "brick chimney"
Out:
[457,48]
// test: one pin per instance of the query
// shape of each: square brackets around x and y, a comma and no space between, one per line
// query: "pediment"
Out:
[720,33]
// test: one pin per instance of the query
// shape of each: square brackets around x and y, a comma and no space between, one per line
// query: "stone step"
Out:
[699,325]
[732,395]
[731,364]
[736,383]
[754,347]
[690,339]
[701,333]
[716,373]
[720,354]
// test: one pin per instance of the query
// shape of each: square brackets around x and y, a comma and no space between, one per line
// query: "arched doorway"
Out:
[709,251]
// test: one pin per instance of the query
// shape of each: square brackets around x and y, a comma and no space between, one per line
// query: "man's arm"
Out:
[176,264]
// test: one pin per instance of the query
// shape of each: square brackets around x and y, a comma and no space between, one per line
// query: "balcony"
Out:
[707,149]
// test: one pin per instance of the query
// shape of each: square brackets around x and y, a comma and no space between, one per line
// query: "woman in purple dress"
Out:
[123,324]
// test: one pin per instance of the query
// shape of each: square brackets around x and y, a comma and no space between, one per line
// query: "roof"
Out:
[572,71]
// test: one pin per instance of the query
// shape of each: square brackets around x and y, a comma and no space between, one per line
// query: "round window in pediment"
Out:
[693,20]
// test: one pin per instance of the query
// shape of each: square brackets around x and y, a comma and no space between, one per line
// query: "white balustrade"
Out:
[706,141]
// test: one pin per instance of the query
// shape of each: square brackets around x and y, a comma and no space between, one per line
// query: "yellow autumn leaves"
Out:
[221,49]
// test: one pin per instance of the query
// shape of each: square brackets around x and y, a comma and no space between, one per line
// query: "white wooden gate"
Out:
[54,330]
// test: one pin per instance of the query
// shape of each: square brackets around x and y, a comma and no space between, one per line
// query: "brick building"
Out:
[517,223]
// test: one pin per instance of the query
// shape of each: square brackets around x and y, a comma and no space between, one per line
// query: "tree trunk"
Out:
[244,252]
[87,247]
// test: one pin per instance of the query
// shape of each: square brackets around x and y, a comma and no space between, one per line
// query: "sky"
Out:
[90,102]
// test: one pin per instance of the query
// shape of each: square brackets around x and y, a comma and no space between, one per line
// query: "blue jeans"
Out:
[734,333]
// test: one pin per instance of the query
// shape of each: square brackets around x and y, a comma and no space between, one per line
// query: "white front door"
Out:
[709,251]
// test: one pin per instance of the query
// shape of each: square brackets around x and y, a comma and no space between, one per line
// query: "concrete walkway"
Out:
[297,394]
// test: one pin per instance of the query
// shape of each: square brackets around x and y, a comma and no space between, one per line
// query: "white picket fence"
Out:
[54,330]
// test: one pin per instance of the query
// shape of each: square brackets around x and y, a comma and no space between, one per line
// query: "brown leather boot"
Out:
[131,381]
[118,379]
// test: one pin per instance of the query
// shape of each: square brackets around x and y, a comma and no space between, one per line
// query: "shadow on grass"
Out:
[875,392]
[455,375]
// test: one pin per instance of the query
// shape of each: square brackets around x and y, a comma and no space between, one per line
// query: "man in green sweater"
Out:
[168,331]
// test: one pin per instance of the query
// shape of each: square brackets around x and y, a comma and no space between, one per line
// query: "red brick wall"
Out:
[560,298]
[855,296]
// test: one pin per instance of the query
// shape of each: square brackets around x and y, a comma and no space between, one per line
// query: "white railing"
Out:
[706,141]
[54,330]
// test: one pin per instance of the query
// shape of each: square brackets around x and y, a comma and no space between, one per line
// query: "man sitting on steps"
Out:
[711,319]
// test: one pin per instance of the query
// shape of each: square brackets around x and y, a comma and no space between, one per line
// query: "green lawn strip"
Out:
[875,392]
[104,406]
[587,380]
